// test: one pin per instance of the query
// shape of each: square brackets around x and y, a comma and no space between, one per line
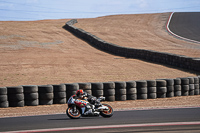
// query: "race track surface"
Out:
[186,24]
[119,118]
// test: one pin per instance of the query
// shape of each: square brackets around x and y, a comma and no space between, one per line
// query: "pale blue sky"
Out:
[21,10]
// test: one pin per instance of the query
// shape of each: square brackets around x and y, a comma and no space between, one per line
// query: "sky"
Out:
[27,10]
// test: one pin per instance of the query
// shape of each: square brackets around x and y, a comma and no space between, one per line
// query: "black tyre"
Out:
[151,89]
[46,96]
[151,83]
[131,91]
[109,85]
[141,96]
[45,89]
[170,94]
[16,103]
[132,97]
[110,98]
[59,88]
[3,98]
[120,91]
[58,95]
[4,104]
[131,84]
[120,97]
[177,88]
[161,83]
[85,86]
[177,81]
[185,87]
[30,88]
[45,102]
[161,89]
[141,83]
[170,88]
[142,90]
[109,92]
[60,101]
[3,90]
[107,113]
[16,97]
[97,93]
[177,93]
[184,81]
[120,85]
[73,114]
[152,96]
[32,102]
[97,86]
[31,96]
[15,90]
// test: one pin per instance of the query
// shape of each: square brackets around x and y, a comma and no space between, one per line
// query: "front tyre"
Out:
[73,113]
[107,113]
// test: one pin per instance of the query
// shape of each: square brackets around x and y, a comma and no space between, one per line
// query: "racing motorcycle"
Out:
[77,108]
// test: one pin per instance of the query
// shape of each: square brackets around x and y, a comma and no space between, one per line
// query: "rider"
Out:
[80,94]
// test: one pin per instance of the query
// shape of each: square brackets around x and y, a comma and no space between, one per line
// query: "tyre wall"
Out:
[33,95]
[148,55]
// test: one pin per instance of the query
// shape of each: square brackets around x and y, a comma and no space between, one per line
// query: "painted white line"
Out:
[107,126]
[167,27]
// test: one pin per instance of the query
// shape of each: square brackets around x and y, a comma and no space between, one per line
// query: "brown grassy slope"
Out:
[42,52]
[142,31]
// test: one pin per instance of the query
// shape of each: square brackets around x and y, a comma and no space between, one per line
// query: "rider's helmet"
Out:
[79,93]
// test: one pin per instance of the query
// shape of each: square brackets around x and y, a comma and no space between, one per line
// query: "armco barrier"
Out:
[33,95]
[180,61]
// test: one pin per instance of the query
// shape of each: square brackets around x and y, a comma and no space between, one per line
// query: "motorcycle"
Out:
[77,108]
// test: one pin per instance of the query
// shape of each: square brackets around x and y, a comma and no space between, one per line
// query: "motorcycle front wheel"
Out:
[107,113]
[73,113]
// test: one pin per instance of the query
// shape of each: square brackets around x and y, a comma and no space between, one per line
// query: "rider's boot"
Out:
[89,112]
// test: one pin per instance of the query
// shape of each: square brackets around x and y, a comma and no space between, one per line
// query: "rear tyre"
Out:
[107,113]
[73,114]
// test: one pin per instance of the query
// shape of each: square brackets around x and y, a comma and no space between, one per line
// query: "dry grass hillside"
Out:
[42,52]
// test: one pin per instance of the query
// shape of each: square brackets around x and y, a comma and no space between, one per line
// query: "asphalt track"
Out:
[186,25]
[183,119]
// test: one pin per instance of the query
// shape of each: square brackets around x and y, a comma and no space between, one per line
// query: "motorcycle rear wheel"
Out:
[73,114]
[107,113]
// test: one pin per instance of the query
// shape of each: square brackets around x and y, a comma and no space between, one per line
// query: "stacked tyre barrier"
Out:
[141,89]
[196,86]
[120,91]
[131,91]
[177,87]
[151,89]
[161,88]
[45,94]
[15,96]
[184,86]
[109,91]
[71,89]
[191,85]
[170,87]
[3,97]
[59,92]
[33,95]
[97,89]
[86,87]
[148,55]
